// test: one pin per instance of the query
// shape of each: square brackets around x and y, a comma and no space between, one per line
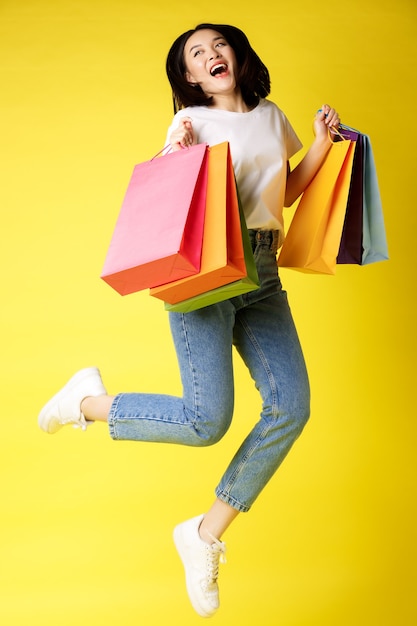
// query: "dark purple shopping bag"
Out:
[351,249]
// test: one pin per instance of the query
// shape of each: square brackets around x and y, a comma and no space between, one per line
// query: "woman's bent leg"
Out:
[267,340]
[203,342]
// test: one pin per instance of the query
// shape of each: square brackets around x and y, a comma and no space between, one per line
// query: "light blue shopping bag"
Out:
[374,239]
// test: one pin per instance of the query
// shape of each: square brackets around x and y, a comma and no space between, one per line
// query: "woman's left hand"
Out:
[327,120]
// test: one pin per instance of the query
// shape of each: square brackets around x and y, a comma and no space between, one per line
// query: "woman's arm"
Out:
[299,178]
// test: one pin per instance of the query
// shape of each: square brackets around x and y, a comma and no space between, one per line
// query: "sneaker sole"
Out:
[51,425]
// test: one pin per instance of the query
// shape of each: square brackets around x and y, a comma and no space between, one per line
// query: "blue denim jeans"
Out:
[260,326]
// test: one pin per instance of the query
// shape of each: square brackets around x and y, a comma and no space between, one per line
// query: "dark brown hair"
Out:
[253,76]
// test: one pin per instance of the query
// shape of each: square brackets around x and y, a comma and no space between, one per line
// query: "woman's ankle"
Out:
[96,408]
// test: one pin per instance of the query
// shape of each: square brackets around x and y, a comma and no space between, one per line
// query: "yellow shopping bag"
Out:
[313,239]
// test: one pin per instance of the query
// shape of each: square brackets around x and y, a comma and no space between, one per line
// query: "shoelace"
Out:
[215,555]
[80,423]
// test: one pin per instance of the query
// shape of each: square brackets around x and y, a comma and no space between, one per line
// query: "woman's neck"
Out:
[230,102]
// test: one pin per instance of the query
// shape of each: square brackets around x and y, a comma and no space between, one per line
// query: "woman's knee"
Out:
[210,430]
[293,416]
[301,416]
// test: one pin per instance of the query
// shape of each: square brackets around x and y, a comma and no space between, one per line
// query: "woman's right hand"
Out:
[183,136]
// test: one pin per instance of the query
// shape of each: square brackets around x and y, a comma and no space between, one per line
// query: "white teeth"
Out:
[218,68]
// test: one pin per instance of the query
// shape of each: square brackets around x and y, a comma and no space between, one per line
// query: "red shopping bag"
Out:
[159,232]
[223,259]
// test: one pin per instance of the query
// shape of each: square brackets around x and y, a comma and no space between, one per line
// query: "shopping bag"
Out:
[249,282]
[222,258]
[374,238]
[364,238]
[313,239]
[236,288]
[159,231]
[351,243]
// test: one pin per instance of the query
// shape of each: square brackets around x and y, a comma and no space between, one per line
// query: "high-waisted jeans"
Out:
[260,325]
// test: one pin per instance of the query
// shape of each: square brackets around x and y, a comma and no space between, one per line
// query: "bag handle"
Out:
[162,151]
[168,149]
[333,131]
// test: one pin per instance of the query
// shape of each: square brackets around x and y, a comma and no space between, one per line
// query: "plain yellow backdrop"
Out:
[86,522]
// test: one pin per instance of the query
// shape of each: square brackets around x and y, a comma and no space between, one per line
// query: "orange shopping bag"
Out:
[250,282]
[313,239]
[222,258]
[159,232]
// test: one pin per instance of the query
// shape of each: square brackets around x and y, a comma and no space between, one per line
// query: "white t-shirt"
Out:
[261,142]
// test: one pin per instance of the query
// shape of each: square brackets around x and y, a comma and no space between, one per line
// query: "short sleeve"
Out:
[293,143]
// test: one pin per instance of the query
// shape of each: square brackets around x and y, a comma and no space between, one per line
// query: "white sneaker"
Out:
[65,406]
[201,564]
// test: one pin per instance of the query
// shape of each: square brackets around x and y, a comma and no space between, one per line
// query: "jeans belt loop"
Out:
[267,236]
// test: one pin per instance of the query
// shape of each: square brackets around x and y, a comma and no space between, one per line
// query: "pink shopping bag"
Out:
[158,234]
[223,258]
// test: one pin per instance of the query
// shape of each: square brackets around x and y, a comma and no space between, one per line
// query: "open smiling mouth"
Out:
[219,69]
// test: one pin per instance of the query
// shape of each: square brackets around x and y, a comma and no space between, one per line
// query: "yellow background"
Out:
[86,522]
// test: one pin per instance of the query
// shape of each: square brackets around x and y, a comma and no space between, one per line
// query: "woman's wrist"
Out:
[323,142]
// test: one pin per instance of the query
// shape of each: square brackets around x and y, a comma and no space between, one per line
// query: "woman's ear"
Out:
[190,80]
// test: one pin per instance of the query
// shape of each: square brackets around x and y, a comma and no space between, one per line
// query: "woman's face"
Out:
[210,62]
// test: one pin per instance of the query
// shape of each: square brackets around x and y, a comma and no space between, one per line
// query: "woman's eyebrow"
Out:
[198,45]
